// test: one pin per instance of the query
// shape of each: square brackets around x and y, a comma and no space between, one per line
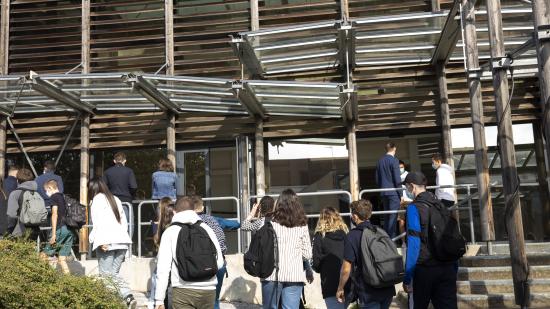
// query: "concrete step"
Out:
[502,260]
[498,272]
[487,287]
[504,248]
[501,301]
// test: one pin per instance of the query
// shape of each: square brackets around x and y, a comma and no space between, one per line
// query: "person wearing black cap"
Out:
[433,280]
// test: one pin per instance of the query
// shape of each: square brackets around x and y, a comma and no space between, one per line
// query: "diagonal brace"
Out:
[50,90]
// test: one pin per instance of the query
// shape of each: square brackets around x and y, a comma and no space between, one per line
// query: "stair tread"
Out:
[498,268]
[500,282]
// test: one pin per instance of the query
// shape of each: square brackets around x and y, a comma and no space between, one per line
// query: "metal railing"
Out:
[467,200]
[140,223]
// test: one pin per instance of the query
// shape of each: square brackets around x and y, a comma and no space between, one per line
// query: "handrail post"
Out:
[139,228]
[471,215]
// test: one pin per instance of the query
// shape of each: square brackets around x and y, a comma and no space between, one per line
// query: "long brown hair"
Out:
[166,165]
[289,211]
[97,186]
[330,221]
[166,212]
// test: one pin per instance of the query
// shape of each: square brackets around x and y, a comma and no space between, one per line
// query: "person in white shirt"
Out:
[109,236]
[444,177]
[197,294]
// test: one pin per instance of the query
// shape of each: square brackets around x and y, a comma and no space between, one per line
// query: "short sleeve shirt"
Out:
[59,201]
[352,254]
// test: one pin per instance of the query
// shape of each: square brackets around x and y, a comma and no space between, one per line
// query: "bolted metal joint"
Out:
[543,33]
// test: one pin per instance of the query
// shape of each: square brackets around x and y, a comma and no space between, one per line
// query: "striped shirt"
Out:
[215,226]
[294,247]
[252,225]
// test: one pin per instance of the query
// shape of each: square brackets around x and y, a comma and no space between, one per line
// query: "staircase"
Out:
[486,281]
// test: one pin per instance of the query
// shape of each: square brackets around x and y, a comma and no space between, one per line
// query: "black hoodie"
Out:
[423,201]
[328,253]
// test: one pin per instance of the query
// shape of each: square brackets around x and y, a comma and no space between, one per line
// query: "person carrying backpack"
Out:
[434,246]
[61,241]
[189,256]
[357,262]
[26,208]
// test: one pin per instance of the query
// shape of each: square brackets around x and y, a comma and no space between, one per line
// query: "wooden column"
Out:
[541,16]
[436,6]
[169,35]
[344,9]
[510,178]
[259,157]
[254,15]
[4,36]
[353,165]
[478,125]
[541,215]
[3,146]
[445,115]
[84,178]
[85,130]
[243,167]
[171,138]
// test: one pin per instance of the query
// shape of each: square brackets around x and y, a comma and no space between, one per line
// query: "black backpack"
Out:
[76,213]
[382,265]
[196,254]
[445,242]
[262,256]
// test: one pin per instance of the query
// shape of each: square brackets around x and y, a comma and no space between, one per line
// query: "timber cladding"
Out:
[129,36]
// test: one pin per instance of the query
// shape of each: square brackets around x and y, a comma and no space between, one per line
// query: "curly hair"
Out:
[289,211]
[330,221]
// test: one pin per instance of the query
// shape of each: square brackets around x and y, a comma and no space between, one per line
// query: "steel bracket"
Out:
[543,33]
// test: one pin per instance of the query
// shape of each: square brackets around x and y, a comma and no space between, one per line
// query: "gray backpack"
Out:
[32,209]
[382,264]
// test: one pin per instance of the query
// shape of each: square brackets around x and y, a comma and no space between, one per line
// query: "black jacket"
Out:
[423,202]
[121,182]
[328,253]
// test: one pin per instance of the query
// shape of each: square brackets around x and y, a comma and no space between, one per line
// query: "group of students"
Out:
[337,253]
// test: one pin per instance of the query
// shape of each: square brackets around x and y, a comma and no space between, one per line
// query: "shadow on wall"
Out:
[242,290]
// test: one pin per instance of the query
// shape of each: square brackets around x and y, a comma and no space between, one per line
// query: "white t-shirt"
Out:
[445,177]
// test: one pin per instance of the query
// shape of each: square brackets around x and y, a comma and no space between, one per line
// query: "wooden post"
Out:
[171,138]
[344,9]
[169,36]
[436,6]
[445,114]
[243,166]
[85,130]
[4,36]
[259,157]
[510,178]
[254,15]
[541,214]
[541,16]
[478,125]
[353,165]
[84,178]
[3,146]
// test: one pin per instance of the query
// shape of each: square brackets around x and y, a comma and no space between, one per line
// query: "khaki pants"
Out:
[193,298]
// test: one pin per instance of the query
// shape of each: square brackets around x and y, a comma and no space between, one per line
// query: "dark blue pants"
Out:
[391,202]
[436,284]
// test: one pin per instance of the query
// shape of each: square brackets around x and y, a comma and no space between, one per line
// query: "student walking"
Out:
[164,180]
[387,177]
[121,181]
[47,175]
[109,236]
[444,177]
[199,293]
[62,237]
[259,213]
[284,286]
[165,215]
[26,193]
[367,296]
[434,279]
[328,253]
[212,223]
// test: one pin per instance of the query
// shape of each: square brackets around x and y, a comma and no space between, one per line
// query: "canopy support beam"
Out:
[50,90]
[243,49]
[248,99]
[448,37]
[151,93]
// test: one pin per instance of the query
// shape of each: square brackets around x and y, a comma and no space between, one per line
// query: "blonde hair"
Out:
[166,212]
[330,221]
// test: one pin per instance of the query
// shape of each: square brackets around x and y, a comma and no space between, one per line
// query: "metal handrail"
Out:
[205,199]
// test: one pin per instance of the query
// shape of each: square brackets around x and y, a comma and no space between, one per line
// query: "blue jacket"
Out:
[164,185]
[42,179]
[387,175]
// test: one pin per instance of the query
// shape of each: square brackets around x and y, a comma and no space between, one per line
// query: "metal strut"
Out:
[67,140]
[21,146]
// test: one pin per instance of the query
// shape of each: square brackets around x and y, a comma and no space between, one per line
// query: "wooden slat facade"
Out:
[129,36]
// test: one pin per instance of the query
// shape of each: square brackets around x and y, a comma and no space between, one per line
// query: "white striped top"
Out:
[294,247]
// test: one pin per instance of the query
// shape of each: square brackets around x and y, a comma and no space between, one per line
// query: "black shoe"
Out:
[131,302]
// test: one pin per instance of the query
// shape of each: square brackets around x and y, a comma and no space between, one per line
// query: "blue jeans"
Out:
[332,303]
[391,202]
[109,268]
[220,275]
[288,292]
[385,304]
